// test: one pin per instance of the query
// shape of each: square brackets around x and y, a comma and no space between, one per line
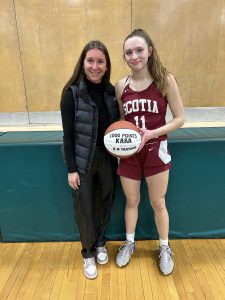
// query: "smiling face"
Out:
[95,65]
[136,53]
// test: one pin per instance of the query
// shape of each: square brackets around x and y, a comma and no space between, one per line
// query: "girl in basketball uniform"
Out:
[143,97]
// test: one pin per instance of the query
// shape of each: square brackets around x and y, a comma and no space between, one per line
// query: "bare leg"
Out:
[157,187]
[131,189]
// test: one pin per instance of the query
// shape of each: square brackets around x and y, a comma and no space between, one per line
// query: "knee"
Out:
[132,203]
[158,205]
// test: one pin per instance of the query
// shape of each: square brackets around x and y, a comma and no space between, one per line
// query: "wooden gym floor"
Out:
[55,271]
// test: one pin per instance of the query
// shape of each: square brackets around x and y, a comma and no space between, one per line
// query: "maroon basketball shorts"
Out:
[153,158]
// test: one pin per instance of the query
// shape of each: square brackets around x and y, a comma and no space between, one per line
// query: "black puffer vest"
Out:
[86,122]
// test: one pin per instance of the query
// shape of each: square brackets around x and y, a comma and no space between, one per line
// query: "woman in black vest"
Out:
[88,107]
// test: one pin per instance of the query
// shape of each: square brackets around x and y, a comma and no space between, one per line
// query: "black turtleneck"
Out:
[96,92]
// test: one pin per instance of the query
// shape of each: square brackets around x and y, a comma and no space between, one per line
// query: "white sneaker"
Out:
[124,254]
[102,255]
[90,269]
[165,260]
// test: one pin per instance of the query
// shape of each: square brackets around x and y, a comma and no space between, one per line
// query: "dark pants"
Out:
[93,201]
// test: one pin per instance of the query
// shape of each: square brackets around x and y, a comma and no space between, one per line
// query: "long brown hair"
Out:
[78,73]
[158,72]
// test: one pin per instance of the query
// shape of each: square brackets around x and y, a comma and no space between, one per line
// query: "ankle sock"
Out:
[163,242]
[130,237]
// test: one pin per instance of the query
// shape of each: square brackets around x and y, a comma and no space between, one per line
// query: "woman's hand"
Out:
[74,180]
[146,135]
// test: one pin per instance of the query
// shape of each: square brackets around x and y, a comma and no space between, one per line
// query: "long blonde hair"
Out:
[158,72]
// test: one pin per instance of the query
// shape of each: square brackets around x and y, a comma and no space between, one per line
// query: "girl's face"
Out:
[136,53]
[95,65]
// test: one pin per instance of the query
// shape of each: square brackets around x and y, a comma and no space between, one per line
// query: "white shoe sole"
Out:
[91,277]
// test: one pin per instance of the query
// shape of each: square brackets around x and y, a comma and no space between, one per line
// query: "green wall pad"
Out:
[36,203]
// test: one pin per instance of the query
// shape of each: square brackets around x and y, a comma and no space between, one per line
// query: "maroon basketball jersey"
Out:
[146,109]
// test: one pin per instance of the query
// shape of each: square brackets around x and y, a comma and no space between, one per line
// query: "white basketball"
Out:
[122,139]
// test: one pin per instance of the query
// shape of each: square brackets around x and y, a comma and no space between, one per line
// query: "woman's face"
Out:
[95,65]
[136,53]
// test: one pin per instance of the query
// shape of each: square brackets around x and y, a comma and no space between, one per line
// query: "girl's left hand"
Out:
[146,135]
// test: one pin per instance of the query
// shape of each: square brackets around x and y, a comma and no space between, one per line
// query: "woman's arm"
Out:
[68,118]
[119,87]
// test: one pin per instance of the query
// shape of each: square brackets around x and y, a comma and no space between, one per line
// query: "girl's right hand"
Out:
[74,180]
